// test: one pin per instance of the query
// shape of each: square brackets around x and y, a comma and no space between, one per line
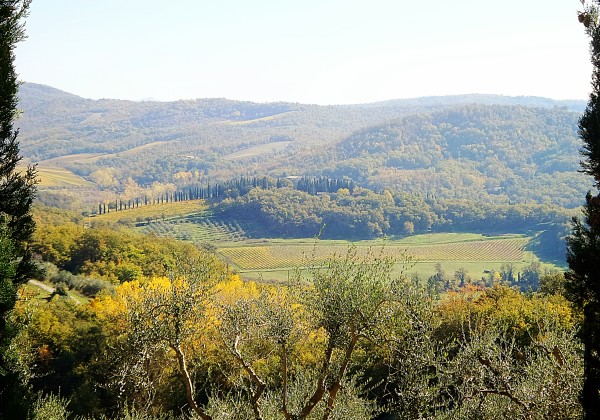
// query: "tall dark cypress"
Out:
[583,246]
[17,190]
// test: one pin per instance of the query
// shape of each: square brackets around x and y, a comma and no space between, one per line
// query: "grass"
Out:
[87,158]
[51,176]
[80,158]
[30,291]
[154,212]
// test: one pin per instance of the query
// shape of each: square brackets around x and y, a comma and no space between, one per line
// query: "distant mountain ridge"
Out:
[486,99]
[57,123]
[41,92]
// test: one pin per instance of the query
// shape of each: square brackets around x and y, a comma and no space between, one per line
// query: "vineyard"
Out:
[264,257]
[196,228]
[275,259]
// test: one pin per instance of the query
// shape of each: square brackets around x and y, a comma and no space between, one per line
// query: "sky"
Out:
[307,51]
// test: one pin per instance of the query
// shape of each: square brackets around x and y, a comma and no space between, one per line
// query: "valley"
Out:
[341,257]
[261,257]
[278,172]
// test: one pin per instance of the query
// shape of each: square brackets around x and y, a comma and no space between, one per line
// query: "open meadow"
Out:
[55,176]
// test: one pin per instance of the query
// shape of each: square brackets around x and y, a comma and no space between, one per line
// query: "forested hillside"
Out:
[453,147]
[499,154]
[483,163]
[137,324]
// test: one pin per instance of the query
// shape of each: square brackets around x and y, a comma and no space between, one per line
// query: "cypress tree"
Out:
[17,192]
[583,246]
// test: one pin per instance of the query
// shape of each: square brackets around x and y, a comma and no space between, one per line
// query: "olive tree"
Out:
[166,317]
[338,306]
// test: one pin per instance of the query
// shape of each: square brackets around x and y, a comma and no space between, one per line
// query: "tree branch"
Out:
[260,384]
[284,374]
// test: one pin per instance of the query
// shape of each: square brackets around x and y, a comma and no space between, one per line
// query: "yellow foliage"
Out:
[520,314]
[234,289]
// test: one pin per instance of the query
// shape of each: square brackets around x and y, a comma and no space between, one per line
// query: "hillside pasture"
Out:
[161,211]
[52,176]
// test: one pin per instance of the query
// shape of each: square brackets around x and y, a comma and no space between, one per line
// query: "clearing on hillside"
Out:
[160,211]
[51,176]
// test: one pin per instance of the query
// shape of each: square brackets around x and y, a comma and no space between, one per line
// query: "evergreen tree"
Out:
[17,189]
[16,195]
[583,246]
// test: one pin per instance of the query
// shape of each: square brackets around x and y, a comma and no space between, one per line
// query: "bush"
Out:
[61,289]
[50,407]
[89,286]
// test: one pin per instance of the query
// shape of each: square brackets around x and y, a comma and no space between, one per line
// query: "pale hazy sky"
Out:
[309,51]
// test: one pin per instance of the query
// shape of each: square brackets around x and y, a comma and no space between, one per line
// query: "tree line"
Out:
[227,189]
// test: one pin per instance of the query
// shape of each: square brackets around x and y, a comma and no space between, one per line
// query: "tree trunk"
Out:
[320,391]
[337,384]
[189,386]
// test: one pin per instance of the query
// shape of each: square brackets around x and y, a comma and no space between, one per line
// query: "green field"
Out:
[50,176]
[33,291]
[274,260]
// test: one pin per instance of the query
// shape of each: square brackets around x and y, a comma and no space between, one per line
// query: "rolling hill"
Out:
[485,148]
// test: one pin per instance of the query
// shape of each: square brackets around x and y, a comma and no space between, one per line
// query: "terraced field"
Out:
[196,228]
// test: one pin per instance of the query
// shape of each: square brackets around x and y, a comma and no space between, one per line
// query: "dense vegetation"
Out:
[141,326]
[583,281]
[485,153]
[367,214]
[462,147]
[17,190]
[343,339]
